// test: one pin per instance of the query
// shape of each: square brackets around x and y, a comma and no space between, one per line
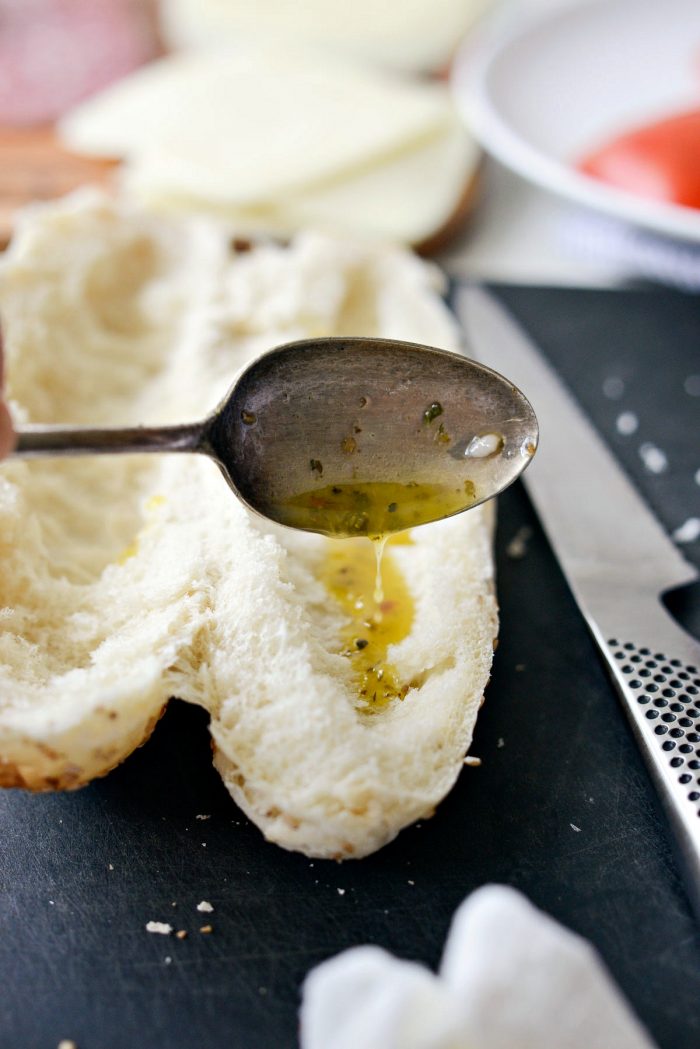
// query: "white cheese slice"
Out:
[417,35]
[405,199]
[252,124]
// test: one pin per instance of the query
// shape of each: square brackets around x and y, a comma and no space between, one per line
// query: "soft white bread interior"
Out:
[277,138]
[128,580]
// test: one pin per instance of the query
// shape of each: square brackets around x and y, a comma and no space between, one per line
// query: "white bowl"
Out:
[559,85]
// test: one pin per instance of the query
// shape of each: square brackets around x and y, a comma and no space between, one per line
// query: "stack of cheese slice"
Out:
[278,138]
[130,580]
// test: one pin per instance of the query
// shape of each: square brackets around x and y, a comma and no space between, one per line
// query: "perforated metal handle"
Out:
[659,683]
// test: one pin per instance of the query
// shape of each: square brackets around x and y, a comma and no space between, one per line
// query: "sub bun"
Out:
[125,581]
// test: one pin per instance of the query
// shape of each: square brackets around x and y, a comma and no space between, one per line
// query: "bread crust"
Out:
[454,225]
[44,769]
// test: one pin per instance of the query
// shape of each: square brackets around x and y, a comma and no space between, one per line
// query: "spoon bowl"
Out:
[356,436]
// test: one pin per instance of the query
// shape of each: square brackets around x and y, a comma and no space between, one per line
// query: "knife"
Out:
[617,560]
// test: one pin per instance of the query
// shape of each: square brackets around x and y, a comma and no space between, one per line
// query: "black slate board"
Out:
[81,874]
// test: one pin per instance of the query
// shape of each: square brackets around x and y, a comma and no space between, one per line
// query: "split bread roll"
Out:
[129,580]
[276,139]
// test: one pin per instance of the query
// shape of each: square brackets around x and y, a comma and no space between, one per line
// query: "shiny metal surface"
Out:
[618,560]
[333,411]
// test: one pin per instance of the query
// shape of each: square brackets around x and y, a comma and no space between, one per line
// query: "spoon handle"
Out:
[35,441]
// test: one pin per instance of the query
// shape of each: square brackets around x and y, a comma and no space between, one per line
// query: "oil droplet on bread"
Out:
[375,619]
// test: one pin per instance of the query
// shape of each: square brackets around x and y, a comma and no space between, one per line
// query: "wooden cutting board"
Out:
[34,167]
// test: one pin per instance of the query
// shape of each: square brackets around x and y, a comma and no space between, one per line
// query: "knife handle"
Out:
[659,683]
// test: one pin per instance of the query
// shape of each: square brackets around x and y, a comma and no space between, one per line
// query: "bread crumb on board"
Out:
[205,907]
[688,532]
[160,927]
[517,547]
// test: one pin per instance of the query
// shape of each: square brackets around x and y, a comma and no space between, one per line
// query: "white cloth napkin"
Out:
[510,978]
[521,233]
[636,252]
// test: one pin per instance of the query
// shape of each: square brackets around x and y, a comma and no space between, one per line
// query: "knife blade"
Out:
[617,560]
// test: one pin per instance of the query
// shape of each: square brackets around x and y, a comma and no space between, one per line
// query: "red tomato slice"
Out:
[660,161]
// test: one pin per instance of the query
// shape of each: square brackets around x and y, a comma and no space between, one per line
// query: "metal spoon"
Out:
[343,421]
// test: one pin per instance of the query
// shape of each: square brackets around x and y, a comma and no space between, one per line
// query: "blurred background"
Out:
[458,127]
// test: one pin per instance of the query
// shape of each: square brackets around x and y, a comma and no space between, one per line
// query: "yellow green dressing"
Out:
[364,580]
[373,509]
[375,619]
